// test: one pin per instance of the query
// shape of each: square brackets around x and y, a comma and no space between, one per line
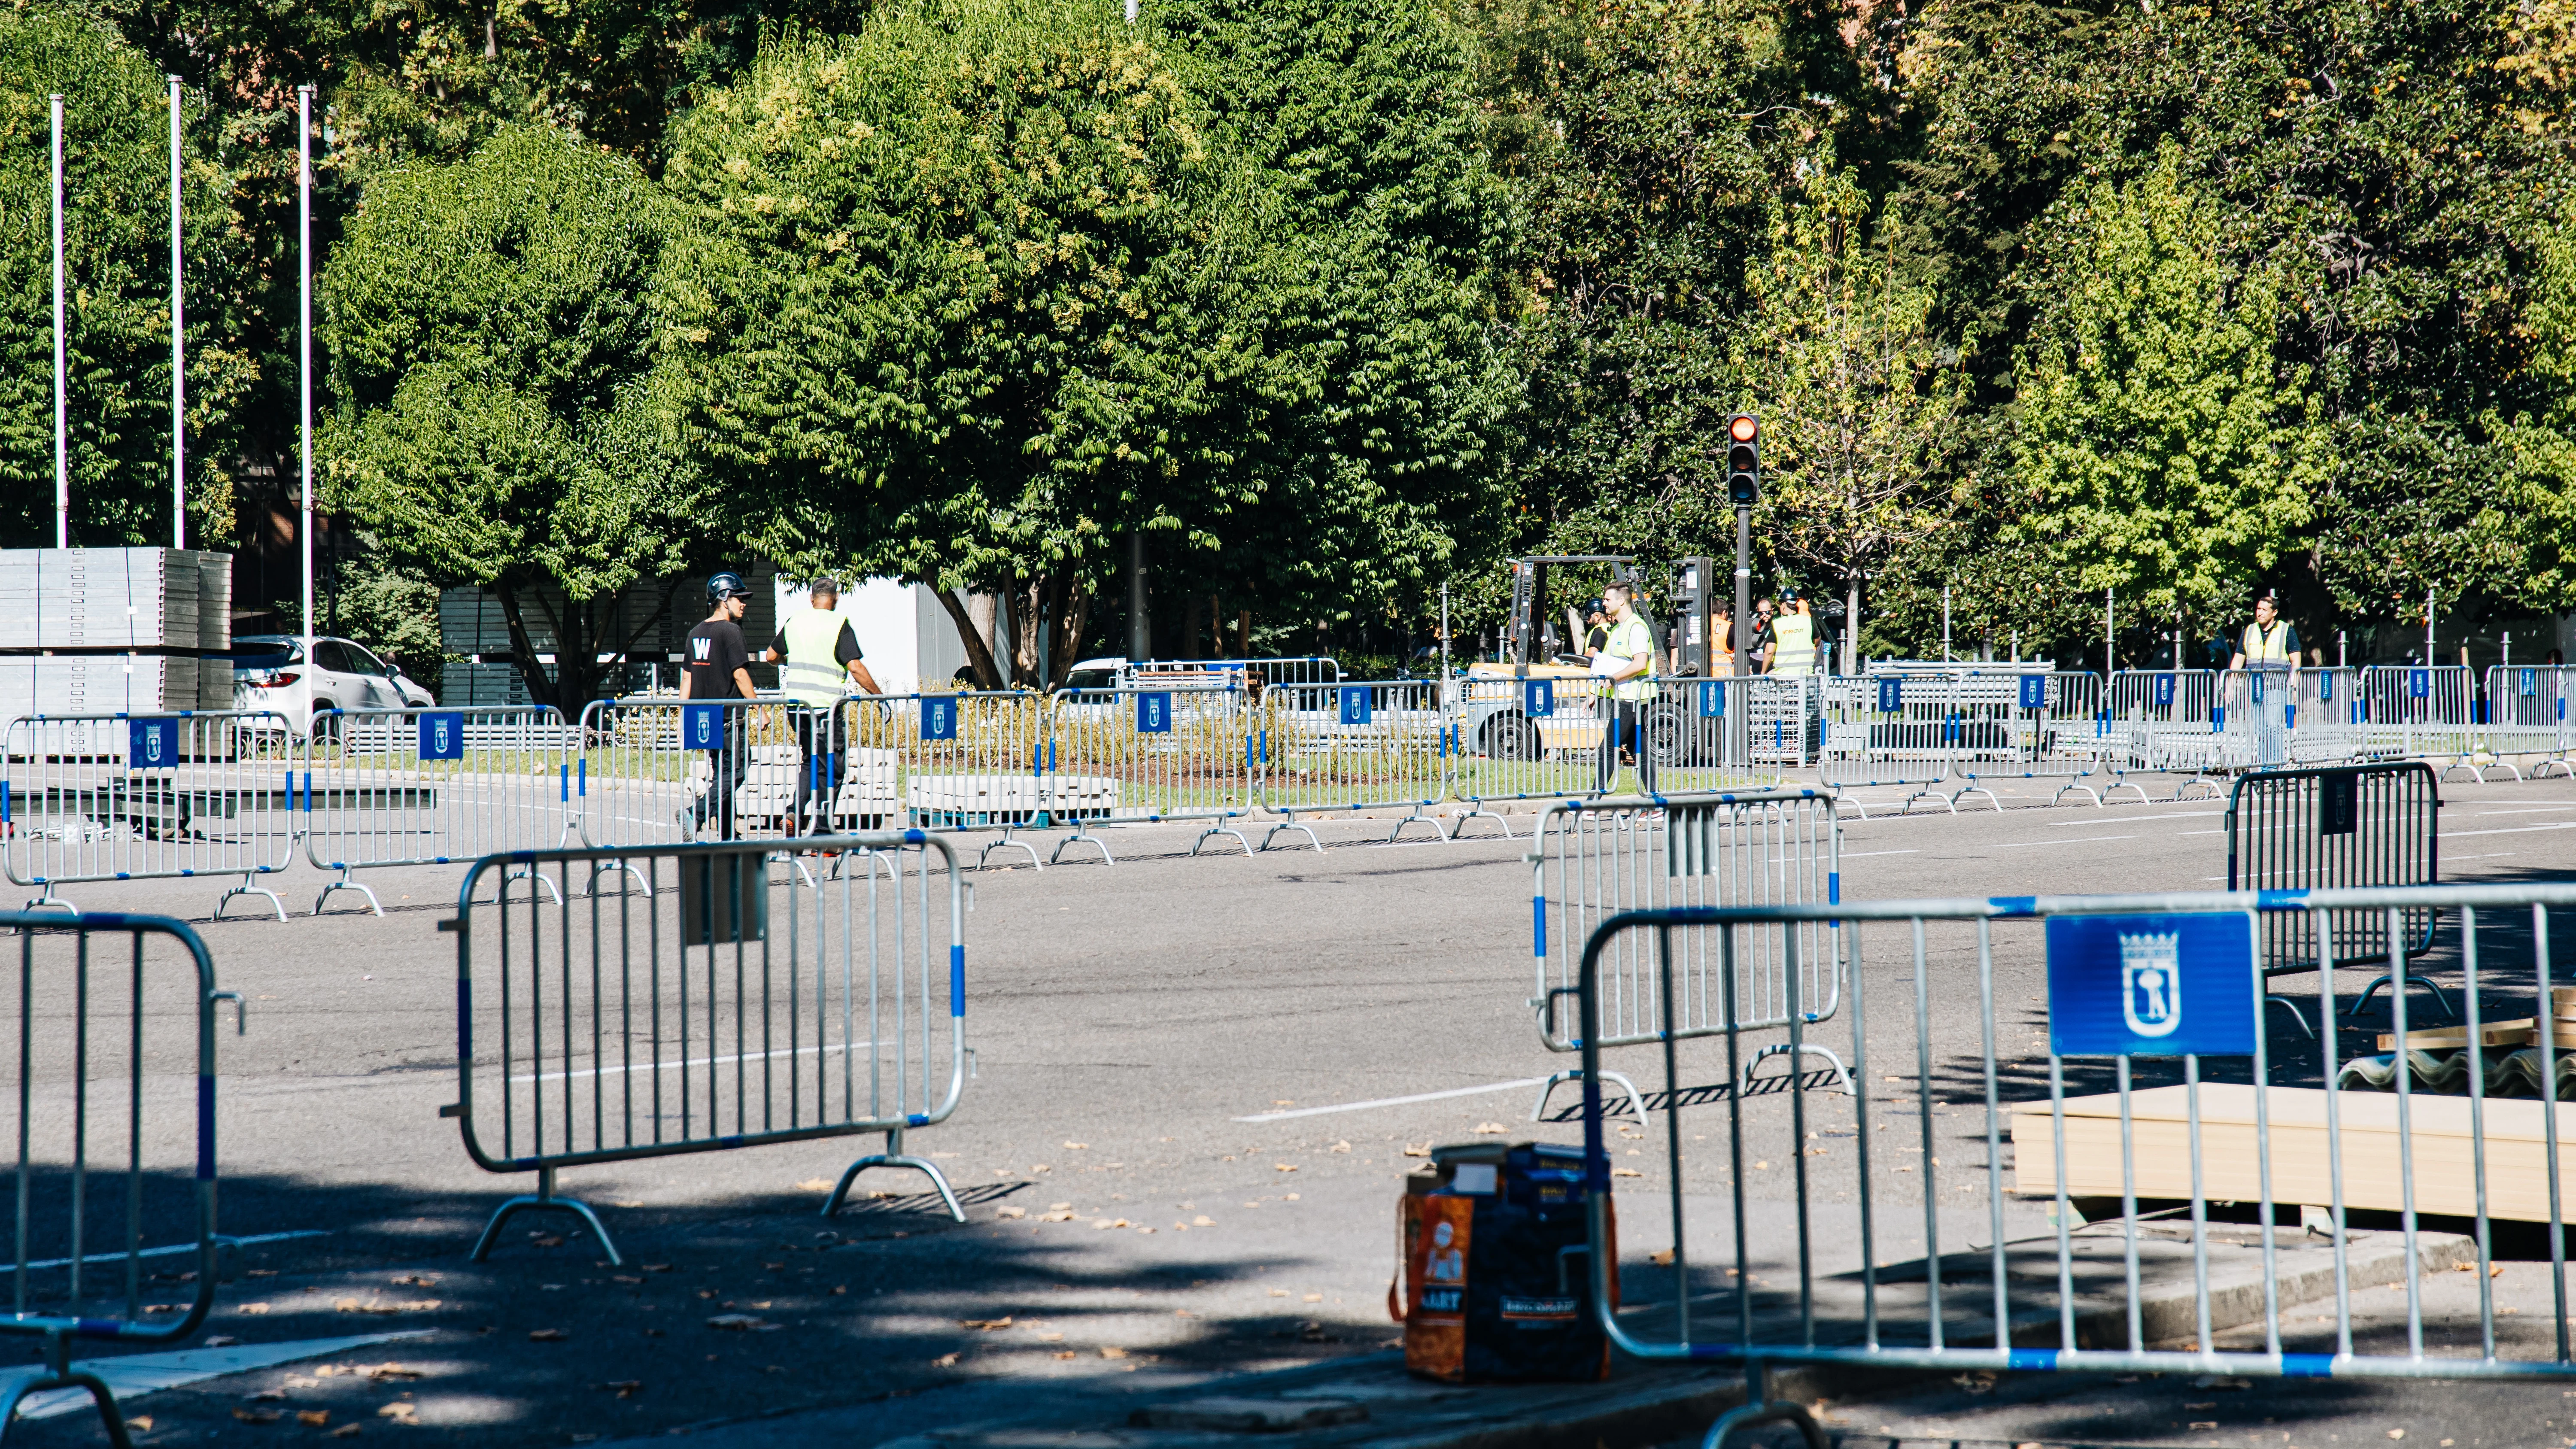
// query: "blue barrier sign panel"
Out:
[2034,691]
[1355,704]
[1154,712]
[702,727]
[442,736]
[152,744]
[2164,690]
[2325,689]
[2419,683]
[1891,695]
[1538,698]
[2530,682]
[1712,699]
[2257,677]
[939,718]
[2154,986]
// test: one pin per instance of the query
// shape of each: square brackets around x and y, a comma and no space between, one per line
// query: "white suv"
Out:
[270,673]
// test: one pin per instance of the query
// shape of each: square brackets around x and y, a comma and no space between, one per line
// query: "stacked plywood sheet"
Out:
[114,630]
[2445,1178]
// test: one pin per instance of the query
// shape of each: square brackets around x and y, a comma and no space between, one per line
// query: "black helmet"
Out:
[721,587]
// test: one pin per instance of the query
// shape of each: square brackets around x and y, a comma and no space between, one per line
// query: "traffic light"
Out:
[1744,459]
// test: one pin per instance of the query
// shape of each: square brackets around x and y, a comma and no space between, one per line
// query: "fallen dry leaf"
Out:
[417,1305]
[1203,1221]
[1283,1167]
[1422,1151]
[398,1411]
[1625,1172]
[656,1267]
[1068,1353]
[313,1418]
[386,1372]
[547,1335]
[1339,1147]
[742,1323]
[814,1184]
[1490,1129]
[417,1280]
[1055,1217]
[1108,1352]
[1010,1212]
[258,1416]
[546,1240]
[1079,1146]
[345,1431]
[1050,1338]
[1663,1259]
[141,1424]
[626,1388]
[987,1324]
[254,1308]
[945,1360]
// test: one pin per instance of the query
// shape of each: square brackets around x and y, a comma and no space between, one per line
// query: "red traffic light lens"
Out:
[1745,427]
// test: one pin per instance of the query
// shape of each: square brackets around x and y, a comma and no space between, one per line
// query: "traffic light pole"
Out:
[1739,725]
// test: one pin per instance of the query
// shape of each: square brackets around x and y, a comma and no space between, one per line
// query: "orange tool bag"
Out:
[1493,1273]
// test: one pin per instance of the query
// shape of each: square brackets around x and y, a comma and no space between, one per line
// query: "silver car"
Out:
[271,673]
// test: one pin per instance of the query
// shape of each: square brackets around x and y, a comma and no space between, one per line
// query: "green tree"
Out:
[2161,450]
[117,297]
[498,420]
[1861,403]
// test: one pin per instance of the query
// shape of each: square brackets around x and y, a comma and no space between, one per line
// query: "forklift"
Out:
[1494,724]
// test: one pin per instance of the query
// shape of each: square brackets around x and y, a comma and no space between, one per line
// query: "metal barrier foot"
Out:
[1760,1408]
[346,884]
[1007,842]
[2448,1010]
[1964,791]
[895,1156]
[61,1376]
[49,899]
[2292,1007]
[2125,784]
[1927,793]
[2541,770]
[1780,1049]
[247,889]
[2216,788]
[1398,833]
[544,1197]
[1292,823]
[615,866]
[1636,1101]
[2071,785]
[2502,765]
[1216,830]
[1458,823]
[1087,838]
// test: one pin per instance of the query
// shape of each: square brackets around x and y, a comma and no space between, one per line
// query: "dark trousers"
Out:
[1626,733]
[731,764]
[820,738]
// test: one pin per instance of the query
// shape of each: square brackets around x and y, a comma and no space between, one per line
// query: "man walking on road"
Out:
[1627,662]
[2269,642]
[718,667]
[818,655]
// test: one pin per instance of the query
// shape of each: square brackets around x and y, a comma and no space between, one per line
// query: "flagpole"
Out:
[62,408]
[304,348]
[178,349]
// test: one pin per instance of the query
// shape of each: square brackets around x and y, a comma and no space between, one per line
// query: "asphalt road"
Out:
[1197,1083]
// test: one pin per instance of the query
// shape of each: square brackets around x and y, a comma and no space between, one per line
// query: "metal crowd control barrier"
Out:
[2412,712]
[1150,755]
[659,770]
[2146,1138]
[1888,730]
[2172,721]
[1747,731]
[717,998]
[146,797]
[988,761]
[432,787]
[1535,738]
[115,1072]
[2029,725]
[1248,674]
[2347,826]
[1597,858]
[1350,747]
[2527,715]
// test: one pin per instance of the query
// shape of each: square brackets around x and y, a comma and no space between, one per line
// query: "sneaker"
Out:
[688,824]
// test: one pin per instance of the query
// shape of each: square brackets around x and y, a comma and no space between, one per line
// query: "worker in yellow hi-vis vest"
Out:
[2270,642]
[1627,662]
[818,657]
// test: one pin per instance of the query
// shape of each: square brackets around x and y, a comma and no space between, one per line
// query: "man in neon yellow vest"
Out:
[1793,638]
[1627,662]
[818,657]
[2270,642]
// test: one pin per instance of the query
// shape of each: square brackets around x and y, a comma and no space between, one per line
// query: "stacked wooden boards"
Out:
[2445,1163]
[114,630]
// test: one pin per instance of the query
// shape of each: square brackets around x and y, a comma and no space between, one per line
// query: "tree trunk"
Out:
[1195,621]
[523,649]
[979,654]
[1243,635]
[1851,623]
[1076,618]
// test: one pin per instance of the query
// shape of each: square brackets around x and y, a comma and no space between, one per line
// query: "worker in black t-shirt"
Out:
[718,667]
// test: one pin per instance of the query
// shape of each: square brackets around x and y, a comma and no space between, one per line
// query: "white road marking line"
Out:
[1857,854]
[2078,840]
[2526,810]
[1396,1101]
[2490,855]
[2134,819]
[2509,830]
[177,1248]
[2187,833]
